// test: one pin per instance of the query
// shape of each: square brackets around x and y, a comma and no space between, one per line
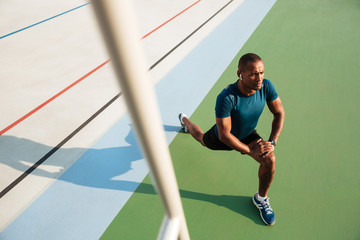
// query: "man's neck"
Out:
[244,90]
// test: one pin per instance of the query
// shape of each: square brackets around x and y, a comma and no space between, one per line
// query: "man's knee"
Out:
[269,160]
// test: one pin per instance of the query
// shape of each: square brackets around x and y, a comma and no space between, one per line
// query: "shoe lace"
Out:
[266,206]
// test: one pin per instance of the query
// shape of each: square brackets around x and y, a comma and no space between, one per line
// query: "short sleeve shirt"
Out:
[244,110]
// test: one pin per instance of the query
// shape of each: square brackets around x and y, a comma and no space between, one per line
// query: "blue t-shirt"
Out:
[244,110]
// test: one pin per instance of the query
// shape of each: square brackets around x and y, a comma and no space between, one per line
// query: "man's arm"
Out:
[255,150]
[278,111]
[224,128]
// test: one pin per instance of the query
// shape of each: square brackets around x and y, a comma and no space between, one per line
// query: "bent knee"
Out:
[270,159]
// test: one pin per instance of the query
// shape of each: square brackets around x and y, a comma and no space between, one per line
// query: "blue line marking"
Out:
[22,29]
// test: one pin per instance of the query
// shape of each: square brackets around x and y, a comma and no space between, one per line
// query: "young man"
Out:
[238,109]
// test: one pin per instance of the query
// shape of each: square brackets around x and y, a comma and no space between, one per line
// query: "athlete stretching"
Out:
[238,108]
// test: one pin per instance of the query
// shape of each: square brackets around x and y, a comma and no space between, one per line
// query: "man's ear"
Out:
[238,72]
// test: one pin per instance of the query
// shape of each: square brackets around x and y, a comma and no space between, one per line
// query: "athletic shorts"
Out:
[213,142]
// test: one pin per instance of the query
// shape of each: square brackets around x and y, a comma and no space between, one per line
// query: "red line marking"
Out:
[171,19]
[83,77]
[51,99]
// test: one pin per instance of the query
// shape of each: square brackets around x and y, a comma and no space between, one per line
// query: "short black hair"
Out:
[248,57]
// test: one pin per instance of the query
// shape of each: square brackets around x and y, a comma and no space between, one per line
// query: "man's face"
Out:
[253,75]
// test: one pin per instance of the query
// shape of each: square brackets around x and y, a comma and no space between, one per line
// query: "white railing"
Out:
[118,26]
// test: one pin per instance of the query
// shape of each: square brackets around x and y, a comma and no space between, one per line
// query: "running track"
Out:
[187,64]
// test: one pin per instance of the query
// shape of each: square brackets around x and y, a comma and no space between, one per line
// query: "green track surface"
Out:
[311,52]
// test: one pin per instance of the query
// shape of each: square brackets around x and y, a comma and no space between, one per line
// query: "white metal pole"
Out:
[117,23]
[169,229]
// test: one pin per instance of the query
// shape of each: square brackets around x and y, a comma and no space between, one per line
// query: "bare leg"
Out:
[266,170]
[266,173]
[194,130]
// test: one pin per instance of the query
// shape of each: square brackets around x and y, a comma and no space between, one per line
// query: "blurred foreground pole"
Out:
[117,23]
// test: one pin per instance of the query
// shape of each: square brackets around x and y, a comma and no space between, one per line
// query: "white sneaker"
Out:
[183,126]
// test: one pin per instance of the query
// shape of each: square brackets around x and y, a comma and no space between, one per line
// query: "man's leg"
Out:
[266,173]
[267,166]
[194,129]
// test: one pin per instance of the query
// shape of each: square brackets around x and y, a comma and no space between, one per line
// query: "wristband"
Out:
[272,142]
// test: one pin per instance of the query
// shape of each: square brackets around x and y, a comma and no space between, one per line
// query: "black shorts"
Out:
[212,141]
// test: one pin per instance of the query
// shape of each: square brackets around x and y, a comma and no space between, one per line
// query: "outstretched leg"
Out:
[194,129]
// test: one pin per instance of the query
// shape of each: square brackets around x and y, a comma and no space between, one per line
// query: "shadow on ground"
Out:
[239,204]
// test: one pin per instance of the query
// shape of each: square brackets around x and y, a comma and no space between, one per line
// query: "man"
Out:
[238,109]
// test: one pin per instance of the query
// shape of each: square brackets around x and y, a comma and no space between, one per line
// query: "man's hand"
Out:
[260,148]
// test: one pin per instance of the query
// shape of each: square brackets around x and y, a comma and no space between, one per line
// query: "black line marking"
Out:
[57,147]
[167,54]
